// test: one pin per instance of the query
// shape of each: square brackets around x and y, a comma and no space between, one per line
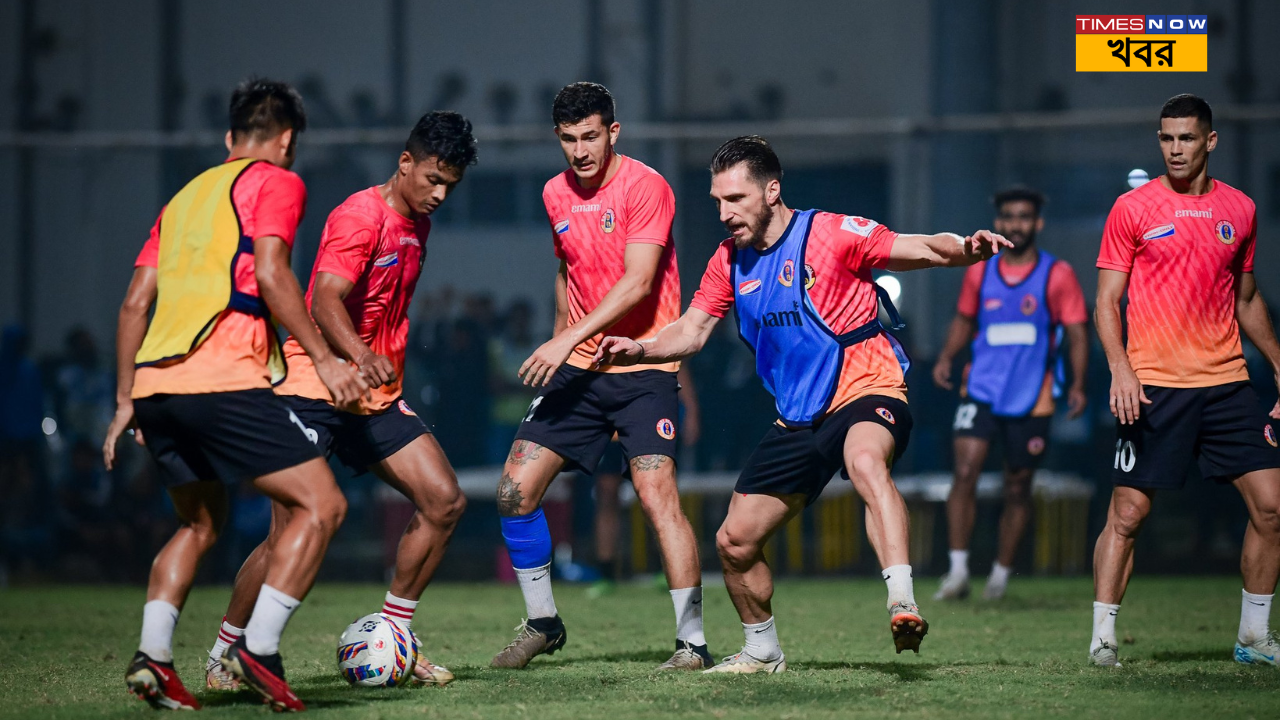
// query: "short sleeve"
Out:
[971,290]
[348,243]
[1066,299]
[651,208]
[715,294]
[866,244]
[281,203]
[1119,239]
[150,254]
[1244,259]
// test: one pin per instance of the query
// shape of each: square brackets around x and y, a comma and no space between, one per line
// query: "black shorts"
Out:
[1024,438]
[576,415]
[358,440]
[803,461]
[1223,427]
[227,436]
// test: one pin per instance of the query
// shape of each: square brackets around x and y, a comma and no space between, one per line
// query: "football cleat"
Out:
[1264,651]
[216,677]
[994,590]
[263,673]
[744,664]
[1106,656]
[426,672]
[536,636]
[688,657]
[909,627]
[158,684]
[954,587]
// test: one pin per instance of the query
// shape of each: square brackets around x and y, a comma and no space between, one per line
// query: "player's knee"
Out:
[1267,520]
[205,533]
[329,511]
[445,511]
[1126,518]
[867,467]
[1017,492]
[735,551]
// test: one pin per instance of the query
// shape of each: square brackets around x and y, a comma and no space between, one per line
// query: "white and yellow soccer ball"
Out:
[375,651]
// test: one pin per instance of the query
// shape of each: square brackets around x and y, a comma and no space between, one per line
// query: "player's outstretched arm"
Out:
[1127,395]
[915,252]
[337,327]
[641,261]
[1255,321]
[279,288]
[131,328]
[677,341]
[959,335]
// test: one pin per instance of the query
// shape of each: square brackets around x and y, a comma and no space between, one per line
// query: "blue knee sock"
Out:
[528,540]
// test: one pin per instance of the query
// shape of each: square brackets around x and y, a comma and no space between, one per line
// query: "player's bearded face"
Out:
[1186,144]
[744,209]
[1018,221]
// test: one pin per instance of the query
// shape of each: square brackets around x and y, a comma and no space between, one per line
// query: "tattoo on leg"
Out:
[523,451]
[509,497]
[648,462]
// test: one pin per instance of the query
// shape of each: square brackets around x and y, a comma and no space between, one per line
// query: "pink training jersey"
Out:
[381,252]
[840,254]
[592,231]
[1183,254]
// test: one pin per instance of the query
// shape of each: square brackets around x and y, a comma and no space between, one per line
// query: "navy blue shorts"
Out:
[577,414]
[1024,439]
[359,441]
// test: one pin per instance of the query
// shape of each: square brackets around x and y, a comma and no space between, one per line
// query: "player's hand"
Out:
[942,373]
[122,421]
[1275,411]
[1127,395]
[543,363]
[345,383]
[619,351]
[1076,401]
[984,244]
[376,369]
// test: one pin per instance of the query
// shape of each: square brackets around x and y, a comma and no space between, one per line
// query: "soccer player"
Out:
[1012,313]
[370,257]
[1182,246]
[217,267]
[611,221]
[807,307]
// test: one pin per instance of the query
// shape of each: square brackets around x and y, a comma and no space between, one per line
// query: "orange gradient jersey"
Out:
[270,202]
[1183,254]
[592,230]
[380,251]
[840,254]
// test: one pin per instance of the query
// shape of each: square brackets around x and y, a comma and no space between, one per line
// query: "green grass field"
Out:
[63,653]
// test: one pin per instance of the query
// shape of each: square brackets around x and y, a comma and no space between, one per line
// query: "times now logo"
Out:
[1142,24]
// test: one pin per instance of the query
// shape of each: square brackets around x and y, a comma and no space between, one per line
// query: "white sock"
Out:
[535,583]
[400,610]
[266,625]
[227,635]
[959,563]
[1255,614]
[901,588]
[762,640]
[1104,625]
[999,575]
[159,618]
[688,602]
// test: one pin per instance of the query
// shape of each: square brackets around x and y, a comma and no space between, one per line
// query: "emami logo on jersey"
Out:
[562,227]
[747,287]
[858,225]
[387,260]
[1163,231]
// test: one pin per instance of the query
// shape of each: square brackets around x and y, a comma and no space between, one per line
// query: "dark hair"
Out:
[1017,193]
[264,108]
[578,101]
[762,162]
[445,136]
[1188,105]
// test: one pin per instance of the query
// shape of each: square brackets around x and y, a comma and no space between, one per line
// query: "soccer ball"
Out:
[376,652]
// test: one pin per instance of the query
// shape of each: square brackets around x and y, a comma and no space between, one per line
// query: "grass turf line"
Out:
[63,652]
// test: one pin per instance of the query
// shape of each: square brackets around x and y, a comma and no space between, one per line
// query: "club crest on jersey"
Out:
[1225,231]
[562,227]
[387,260]
[667,429]
[787,274]
[404,408]
[1029,304]
[1035,445]
[810,277]
[992,304]
[888,416]
[607,221]
[1156,233]
[748,287]
[858,225]
[1270,435]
